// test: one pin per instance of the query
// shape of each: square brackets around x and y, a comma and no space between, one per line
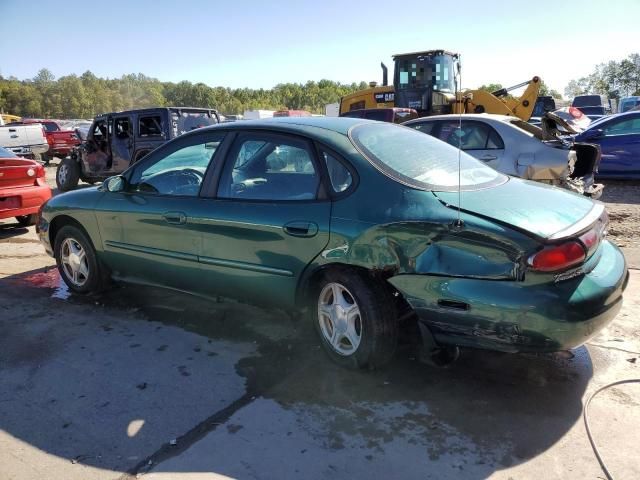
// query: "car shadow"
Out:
[9,229]
[488,411]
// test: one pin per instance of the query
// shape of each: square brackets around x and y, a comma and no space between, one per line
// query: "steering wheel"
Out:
[193,172]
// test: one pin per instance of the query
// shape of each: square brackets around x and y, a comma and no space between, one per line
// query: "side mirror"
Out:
[593,133]
[115,184]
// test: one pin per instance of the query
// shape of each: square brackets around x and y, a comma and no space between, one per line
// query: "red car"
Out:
[22,188]
[61,142]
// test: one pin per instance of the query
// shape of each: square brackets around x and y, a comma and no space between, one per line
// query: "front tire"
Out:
[67,175]
[355,319]
[77,261]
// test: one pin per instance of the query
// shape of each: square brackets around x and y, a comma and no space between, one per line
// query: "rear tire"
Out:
[77,262]
[27,220]
[356,320]
[67,175]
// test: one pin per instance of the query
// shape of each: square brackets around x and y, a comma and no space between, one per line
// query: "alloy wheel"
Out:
[74,262]
[340,319]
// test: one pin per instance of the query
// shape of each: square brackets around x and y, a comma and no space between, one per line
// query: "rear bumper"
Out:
[23,201]
[518,316]
[29,149]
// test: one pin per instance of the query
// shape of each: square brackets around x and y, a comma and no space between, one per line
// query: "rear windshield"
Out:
[421,161]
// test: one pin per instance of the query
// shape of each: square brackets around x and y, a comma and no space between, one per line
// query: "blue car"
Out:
[619,138]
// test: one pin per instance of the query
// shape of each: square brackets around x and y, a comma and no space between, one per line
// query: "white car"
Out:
[518,148]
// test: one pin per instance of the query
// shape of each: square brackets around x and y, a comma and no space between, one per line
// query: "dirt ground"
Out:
[623,204]
[141,382]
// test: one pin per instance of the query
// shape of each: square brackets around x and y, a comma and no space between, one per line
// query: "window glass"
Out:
[473,136]
[424,127]
[421,161]
[380,115]
[270,169]
[122,127]
[624,127]
[150,126]
[178,170]
[339,175]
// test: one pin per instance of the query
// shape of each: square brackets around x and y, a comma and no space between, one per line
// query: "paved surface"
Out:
[168,386]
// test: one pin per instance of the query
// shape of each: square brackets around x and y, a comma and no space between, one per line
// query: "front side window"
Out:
[421,161]
[269,168]
[122,127]
[150,126]
[178,169]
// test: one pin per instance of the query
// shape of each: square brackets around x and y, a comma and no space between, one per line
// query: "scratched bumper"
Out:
[519,316]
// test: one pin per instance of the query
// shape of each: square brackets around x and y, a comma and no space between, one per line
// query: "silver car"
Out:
[520,149]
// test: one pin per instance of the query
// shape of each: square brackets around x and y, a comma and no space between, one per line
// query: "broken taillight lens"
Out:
[558,257]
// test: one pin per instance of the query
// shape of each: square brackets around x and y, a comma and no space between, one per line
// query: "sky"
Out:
[258,44]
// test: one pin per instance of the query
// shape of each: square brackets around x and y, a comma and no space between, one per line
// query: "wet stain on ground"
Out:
[468,407]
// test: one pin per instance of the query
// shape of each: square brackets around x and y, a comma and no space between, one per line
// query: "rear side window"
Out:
[473,136]
[150,126]
[424,127]
[421,161]
[339,175]
[624,127]
[265,167]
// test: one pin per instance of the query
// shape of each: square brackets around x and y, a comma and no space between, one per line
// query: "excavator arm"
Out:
[481,101]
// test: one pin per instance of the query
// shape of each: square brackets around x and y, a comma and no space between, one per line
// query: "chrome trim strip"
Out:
[152,251]
[252,267]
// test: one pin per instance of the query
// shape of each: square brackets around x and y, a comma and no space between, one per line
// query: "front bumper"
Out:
[23,200]
[519,316]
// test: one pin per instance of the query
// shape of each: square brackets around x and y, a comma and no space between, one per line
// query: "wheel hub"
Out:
[339,319]
[74,262]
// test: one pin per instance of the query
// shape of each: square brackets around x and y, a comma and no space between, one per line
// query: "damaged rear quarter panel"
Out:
[419,237]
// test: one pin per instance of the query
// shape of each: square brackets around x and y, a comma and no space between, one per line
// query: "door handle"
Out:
[175,218]
[301,229]
[488,157]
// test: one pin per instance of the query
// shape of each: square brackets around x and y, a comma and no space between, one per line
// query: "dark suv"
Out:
[116,140]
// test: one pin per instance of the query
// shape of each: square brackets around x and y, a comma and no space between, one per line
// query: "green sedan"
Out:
[366,225]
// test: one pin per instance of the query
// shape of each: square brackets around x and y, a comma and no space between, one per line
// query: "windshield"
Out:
[4,153]
[421,161]
[629,103]
[423,71]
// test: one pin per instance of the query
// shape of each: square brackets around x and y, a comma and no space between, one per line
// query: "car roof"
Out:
[296,124]
[467,116]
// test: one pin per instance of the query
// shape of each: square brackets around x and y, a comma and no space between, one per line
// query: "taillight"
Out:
[40,172]
[557,257]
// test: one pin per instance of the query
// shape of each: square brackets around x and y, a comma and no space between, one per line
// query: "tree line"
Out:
[614,79]
[87,95]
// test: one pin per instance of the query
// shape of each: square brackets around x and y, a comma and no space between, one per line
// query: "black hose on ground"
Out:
[585,416]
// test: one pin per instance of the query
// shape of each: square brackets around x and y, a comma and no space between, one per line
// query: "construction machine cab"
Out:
[425,81]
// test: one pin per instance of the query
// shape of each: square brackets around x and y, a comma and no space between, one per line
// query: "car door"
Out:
[269,219]
[620,144]
[151,230]
[121,143]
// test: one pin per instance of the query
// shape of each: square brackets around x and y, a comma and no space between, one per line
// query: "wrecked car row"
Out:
[363,224]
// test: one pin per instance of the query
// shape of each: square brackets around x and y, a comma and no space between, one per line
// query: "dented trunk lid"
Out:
[544,212]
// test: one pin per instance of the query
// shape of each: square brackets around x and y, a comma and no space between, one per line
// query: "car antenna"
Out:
[457,77]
